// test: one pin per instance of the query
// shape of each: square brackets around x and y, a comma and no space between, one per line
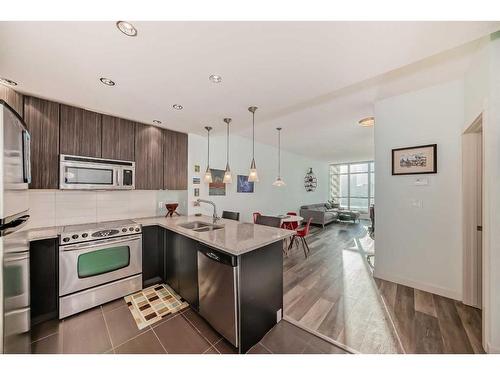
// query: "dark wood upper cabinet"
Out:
[81,132]
[12,98]
[175,155]
[118,138]
[42,119]
[148,157]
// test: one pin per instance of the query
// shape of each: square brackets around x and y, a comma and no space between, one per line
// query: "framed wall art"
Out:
[217,186]
[414,160]
[243,185]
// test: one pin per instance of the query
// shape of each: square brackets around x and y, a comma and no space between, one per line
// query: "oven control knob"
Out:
[65,239]
[124,229]
[75,236]
[137,229]
[85,235]
[131,229]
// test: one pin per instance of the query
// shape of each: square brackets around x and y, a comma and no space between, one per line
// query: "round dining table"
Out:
[288,219]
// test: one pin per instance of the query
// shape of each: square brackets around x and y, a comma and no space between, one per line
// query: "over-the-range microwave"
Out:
[86,173]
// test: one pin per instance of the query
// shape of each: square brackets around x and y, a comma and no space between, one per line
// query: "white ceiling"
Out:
[315,79]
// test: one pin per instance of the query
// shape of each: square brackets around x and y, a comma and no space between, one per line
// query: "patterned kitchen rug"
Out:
[153,304]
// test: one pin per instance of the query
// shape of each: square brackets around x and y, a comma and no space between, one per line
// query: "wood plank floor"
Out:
[334,293]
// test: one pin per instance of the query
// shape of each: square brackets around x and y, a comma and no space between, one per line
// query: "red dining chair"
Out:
[301,234]
[255,215]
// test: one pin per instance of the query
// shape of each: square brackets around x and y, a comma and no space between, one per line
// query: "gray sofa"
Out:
[323,213]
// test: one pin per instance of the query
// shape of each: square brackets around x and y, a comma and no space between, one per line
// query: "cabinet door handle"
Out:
[213,256]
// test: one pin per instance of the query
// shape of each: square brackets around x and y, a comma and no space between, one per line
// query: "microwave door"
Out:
[79,176]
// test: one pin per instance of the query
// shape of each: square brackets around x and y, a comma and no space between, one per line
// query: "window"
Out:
[352,185]
[98,262]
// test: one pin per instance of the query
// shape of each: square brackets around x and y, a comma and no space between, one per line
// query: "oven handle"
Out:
[87,245]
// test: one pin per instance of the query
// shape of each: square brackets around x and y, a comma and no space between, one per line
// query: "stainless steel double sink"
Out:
[200,226]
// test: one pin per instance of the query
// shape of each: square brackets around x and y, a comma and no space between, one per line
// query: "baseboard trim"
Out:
[491,349]
[419,285]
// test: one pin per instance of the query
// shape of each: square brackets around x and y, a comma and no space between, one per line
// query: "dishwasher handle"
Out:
[218,256]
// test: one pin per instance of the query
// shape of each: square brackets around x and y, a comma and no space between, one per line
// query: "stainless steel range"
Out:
[98,263]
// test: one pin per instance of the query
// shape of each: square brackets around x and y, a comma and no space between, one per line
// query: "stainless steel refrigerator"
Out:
[14,244]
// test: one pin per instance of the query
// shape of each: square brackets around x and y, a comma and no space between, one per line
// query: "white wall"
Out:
[63,207]
[267,199]
[421,247]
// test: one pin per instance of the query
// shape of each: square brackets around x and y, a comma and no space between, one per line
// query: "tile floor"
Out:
[111,329]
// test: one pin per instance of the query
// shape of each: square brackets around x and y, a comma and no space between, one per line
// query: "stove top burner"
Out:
[95,231]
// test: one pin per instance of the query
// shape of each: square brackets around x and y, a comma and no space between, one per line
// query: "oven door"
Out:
[79,175]
[90,264]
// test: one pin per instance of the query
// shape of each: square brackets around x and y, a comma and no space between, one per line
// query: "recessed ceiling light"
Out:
[127,28]
[107,81]
[177,107]
[215,78]
[367,121]
[157,122]
[8,81]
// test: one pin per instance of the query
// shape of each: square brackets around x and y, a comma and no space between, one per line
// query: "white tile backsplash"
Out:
[64,207]
[75,207]
[42,205]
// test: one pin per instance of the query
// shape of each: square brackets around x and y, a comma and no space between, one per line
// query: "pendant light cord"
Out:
[253,135]
[208,153]
[227,153]
[279,153]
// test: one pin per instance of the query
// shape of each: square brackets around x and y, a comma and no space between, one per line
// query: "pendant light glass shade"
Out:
[279,182]
[208,174]
[252,175]
[228,179]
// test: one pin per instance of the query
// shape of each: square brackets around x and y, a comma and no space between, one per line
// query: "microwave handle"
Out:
[26,156]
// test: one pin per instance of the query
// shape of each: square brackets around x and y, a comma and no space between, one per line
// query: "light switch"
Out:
[417,203]
[421,181]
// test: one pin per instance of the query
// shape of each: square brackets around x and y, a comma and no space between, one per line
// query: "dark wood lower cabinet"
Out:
[44,280]
[261,292]
[182,266]
[172,259]
[188,271]
[153,255]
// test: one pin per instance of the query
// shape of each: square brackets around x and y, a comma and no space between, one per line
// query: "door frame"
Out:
[472,157]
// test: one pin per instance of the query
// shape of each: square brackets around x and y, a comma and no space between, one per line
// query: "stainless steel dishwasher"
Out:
[218,291]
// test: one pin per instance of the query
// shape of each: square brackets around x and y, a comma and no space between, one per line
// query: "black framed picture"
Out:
[414,160]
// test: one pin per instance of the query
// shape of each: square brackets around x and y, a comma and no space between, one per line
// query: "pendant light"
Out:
[252,175]
[228,179]
[208,173]
[279,182]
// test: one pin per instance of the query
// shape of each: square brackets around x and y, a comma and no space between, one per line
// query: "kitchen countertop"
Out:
[235,238]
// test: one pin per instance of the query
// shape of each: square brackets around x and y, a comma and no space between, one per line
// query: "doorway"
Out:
[472,183]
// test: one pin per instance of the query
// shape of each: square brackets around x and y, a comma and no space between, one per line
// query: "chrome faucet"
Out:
[213,204]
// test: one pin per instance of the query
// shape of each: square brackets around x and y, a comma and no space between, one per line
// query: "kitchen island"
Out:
[231,273]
